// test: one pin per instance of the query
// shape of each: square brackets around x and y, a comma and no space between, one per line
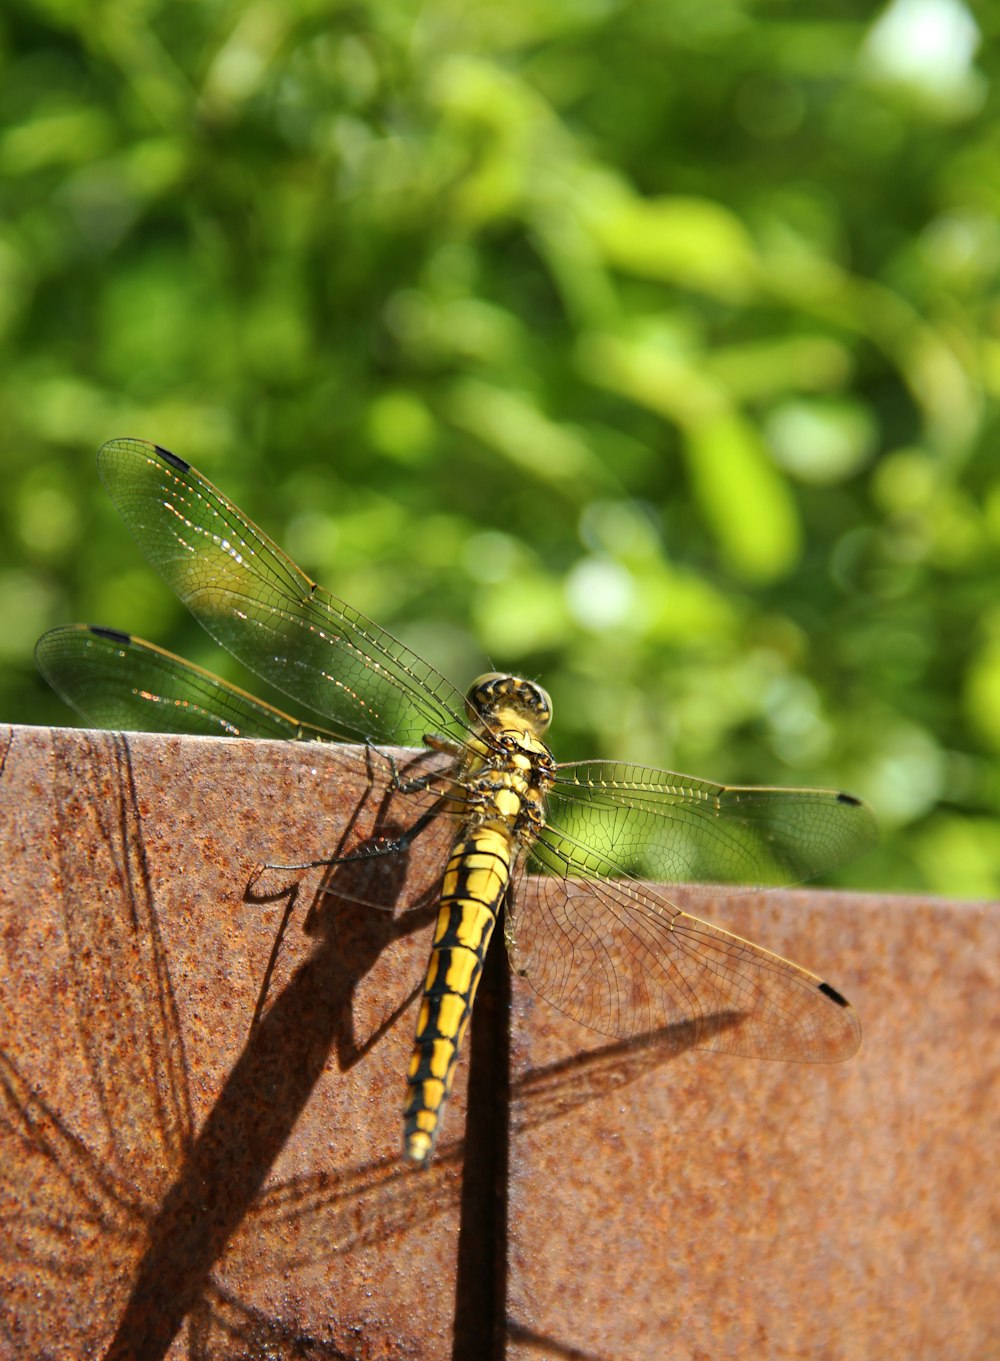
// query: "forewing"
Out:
[116,681]
[656,824]
[254,601]
[618,957]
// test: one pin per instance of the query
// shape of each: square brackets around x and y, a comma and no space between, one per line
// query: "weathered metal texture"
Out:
[175,1182]
[171,1181]
[688,1205]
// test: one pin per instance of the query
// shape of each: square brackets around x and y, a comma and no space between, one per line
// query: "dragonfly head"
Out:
[498,702]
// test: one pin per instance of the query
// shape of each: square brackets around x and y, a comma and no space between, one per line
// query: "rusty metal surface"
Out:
[174,1183]
[669,1203]
[171,1183]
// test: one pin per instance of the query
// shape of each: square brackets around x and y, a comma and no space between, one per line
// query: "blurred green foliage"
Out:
[651,349]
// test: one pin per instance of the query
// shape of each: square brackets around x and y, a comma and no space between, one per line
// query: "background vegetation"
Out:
[650,348]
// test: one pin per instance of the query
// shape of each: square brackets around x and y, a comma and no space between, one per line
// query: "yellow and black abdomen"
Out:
[473,889]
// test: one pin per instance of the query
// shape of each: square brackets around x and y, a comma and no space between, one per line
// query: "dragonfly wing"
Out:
[254,601]
[620,958]
[618,818]
[116,681]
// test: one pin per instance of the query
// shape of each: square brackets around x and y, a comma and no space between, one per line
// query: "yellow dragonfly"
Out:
[622,959]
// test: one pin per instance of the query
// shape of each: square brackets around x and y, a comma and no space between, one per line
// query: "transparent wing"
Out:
[255,601]
[609,818]
[618,957]
[116,681]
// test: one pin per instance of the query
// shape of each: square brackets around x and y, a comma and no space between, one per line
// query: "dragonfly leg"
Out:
[373,849]
[416,784]
[389,845]
[378,846]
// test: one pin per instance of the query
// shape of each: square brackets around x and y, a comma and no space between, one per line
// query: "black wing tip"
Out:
[849,799]
[172,459]
[834,995]
[113,635]
[134,444]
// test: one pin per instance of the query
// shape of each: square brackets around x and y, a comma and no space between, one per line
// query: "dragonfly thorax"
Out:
[508,768]
[502,703]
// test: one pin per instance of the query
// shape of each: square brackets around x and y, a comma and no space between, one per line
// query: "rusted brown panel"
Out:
[170,1183]
[158,1162]
[697,1206]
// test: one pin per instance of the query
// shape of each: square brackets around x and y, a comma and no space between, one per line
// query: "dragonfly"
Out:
[617,956]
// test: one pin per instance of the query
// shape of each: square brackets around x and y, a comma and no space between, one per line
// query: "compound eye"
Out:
[500,701]
[543,706]
[480,694]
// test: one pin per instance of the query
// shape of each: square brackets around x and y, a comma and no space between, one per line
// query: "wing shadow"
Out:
[156,1206]
[157,1209]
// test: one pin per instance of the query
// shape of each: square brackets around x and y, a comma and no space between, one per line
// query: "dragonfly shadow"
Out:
[545,1094]
[153,1211]
[68,1218]
[364,872]
[287,1052]
[329,1212]
[144,1220]
[533,1343]
[292,1225]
